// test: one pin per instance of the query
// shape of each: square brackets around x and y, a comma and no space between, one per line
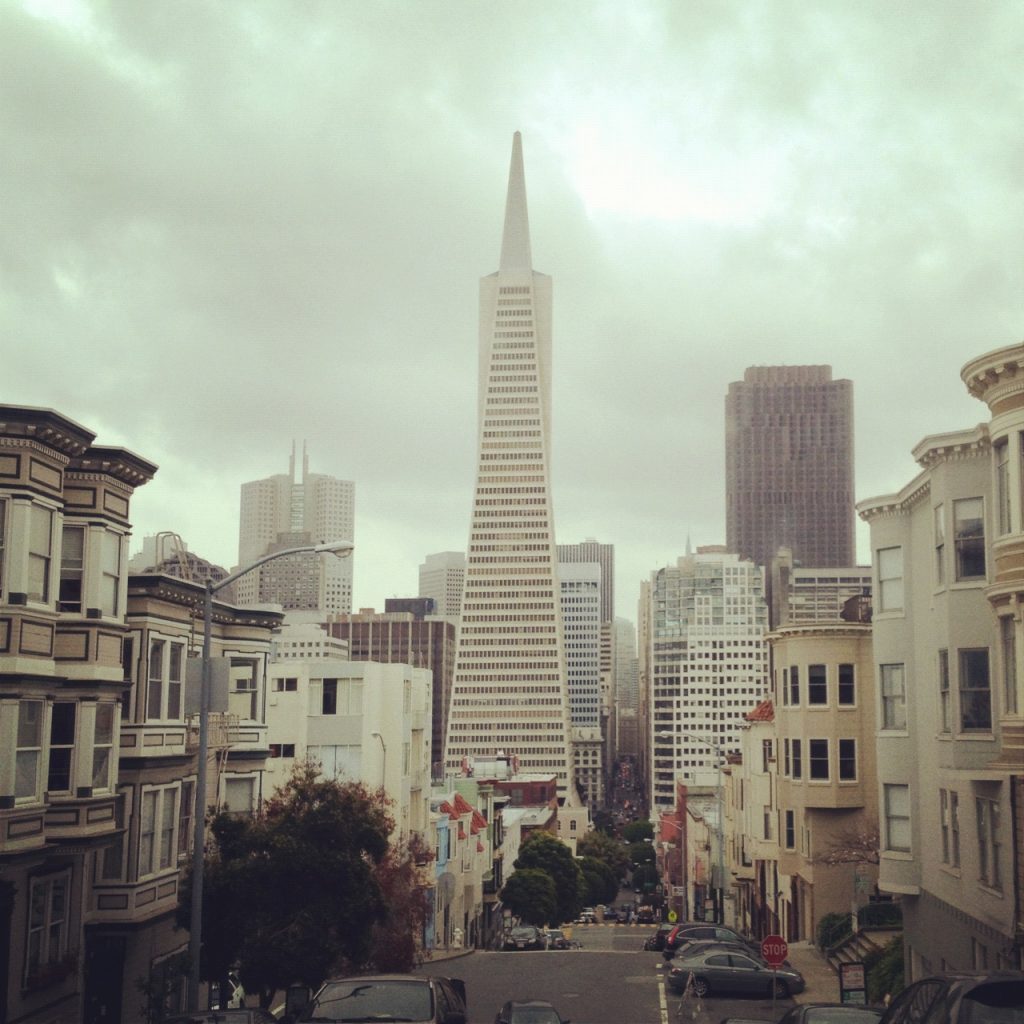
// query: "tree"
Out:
[604,821]
[604,848]
[544,851]
[530,895]
[638,831]
[601,884]
[852,846]
[645,875]
[297,893]
[642,853]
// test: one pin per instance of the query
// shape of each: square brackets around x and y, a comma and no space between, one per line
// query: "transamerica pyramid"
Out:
[509,691]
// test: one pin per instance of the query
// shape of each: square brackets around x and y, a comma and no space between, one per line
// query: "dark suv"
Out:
[703,930]
[406,997]
[992,998]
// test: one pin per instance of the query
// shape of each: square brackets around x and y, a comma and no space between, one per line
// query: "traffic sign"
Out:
[774,949]
[672,917]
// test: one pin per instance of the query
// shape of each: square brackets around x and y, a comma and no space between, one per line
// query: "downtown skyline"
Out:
[216,249]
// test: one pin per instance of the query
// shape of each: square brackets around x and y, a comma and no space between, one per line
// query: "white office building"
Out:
[509,690]
[441,579]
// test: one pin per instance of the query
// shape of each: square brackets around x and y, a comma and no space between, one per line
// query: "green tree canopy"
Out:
[309,887]
[530,894]
[604,848]
[544,851]
[645,875]
[604,821]
[602,885]
[638,831]
[642,853]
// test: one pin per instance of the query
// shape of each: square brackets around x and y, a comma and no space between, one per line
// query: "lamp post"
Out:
[341,548]
[684,905]
[720,800]
[384,761]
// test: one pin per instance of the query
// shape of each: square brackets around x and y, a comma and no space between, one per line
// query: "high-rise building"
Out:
[509,692]
[708,662]
[315,507]
[789,466]
[591,550]
[441,578]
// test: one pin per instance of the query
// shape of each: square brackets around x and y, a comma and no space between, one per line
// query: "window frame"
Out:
[989,842]
[945,693]
[889,574]
[170,689]
[3,544]
[40,554]
[45,928]
[846,687]
[939,532]
[969,547]
[1001,459]
[817,686]
[53,747]
[789,829]
[1008,652]
[968,696]
[106,746]
[70,572]
[36,748]
[163,835]
[897,819]
[892,699]
[846,759]
[796,745]
[815,760]
[111,572]
[794,686]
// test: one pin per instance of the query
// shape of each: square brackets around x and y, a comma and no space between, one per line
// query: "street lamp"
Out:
[720,828]
[341,548]
[384,761]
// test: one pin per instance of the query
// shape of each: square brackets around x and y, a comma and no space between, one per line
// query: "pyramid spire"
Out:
[515,242]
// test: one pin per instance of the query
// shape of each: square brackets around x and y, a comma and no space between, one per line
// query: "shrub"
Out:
[884,970]
[833,928]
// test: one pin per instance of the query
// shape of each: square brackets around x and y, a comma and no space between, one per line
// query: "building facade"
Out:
[283,510]
[509,690]
[946,653]
[789,465]
[442,576]
[708,664]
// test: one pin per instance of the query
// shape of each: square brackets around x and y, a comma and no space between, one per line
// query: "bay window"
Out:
[890,579]
[894,697]
[72,565]
[110,572]
[157,823]
[897,817]
[63,719]
[40,553]
[29,752]
[103,746]
[975,691]
[969,538]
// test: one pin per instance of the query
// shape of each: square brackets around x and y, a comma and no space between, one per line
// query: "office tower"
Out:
[509,691]
[403,637]
[441,577]
[281,511]
[789,465]
[798,594]
[591,550]
[708,663]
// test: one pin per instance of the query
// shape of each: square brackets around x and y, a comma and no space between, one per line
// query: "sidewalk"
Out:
[822,981]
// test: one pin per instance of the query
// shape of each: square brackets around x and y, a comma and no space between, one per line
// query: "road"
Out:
[612,980]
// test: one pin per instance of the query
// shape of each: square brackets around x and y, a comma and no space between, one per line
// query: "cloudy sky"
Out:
[228,225]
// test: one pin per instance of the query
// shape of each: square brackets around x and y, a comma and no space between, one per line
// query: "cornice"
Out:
[818,630]
[47,426]
[995,374]
[119,463]
[952,447]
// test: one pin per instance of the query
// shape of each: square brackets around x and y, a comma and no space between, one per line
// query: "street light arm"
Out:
[341,548]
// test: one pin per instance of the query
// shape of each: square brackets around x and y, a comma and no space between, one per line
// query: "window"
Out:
[817,685]
[897,817]
[847,686]
[166,660]
[817,760]
[240,796]
[786,759]
[940,546]
[242,699]
[988,842]
[72,563]
[785,687]
[282,749]
[794,686]
[103,746]
[62,744]
[975,694]
[158,848]
[969,538]
[790,830]
[847,760]
[47,922]
[798,764]
[954,828]
[767,821]
[40,551]
[286,685]
[110,567]
[890,579]
[337,762]
[29,750]
[894,697]
[945,718]
[767,755]
[330,697]
[186,821]
[1001,450]
[1008,642]
[3,533]
[944,824]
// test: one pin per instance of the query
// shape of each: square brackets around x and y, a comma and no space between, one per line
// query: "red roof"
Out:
[764,712]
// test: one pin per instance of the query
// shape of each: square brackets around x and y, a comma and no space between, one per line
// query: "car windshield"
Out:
[841,1015]
[373,1001]
[534,1015]
[1000,1002]
[524,933]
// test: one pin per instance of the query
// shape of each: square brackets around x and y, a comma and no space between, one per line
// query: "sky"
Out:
[229,226]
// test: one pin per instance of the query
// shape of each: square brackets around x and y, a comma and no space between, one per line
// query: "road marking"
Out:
[662,1002]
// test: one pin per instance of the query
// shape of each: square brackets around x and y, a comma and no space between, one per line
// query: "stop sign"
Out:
[774,949]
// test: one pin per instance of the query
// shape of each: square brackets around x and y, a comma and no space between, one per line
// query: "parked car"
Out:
[995,997]
[718,970]
[555,939]
[690,946]
[587,916]
[407,997]
[831,1013]
[240,1015]
[657,940]
[689,930]
[524,936]
[528,1011]
[645,914]
[611,914]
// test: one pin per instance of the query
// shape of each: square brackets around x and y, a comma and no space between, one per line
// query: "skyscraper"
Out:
[441,578]
[314,508]
[789,466]
[509,691]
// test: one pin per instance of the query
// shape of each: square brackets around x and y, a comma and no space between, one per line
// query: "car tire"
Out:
[701,987]
[778,988]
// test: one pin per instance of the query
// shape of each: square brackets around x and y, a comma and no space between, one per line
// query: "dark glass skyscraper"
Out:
[789,465]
